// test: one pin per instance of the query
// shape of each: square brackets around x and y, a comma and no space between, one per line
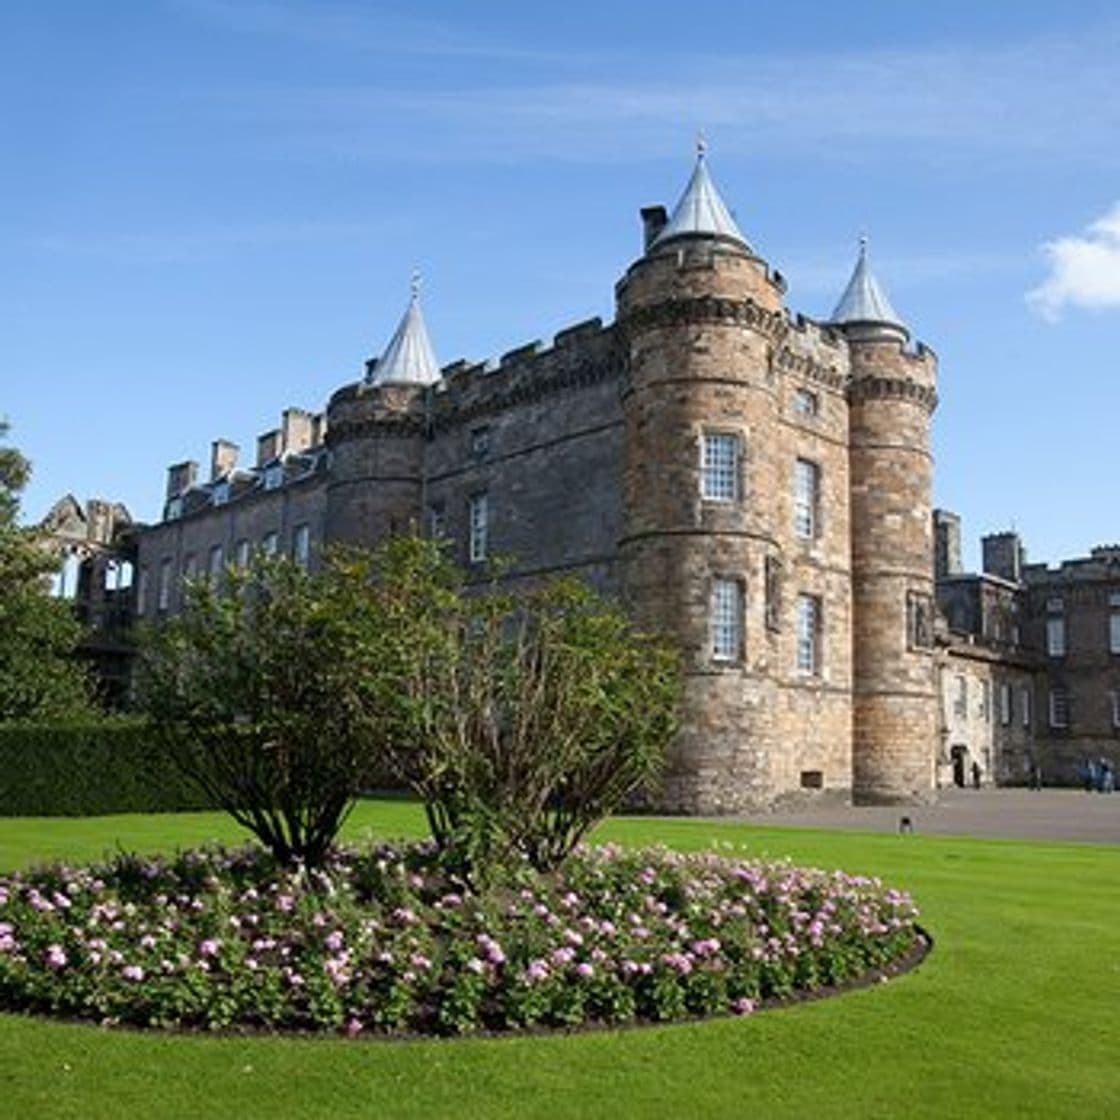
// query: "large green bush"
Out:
[522,715]
[259,693]
[87,768]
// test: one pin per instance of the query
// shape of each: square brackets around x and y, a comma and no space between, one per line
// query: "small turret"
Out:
[375,430]
[891,394]
[701,212]
[864,312]
[409,358]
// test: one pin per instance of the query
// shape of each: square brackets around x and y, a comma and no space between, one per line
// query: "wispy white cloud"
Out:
[1053,95]
[183,246]
[1084,270]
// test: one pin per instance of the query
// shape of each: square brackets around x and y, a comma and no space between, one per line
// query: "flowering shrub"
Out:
[380,941]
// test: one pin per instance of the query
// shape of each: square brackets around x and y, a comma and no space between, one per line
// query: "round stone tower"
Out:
[892,396]
[699,314]
[376,431]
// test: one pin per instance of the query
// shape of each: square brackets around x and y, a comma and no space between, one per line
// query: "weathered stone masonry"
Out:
[796,581]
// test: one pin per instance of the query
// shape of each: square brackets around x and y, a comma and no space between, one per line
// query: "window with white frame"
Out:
[808,634]
[806,497]
[1056,636]
[1025,705]
[163,595]
[274,476]
[242,554]
[437,521]
[1114,632]
[142,589]
[1059,708]
[805,404]
[727,619]
[190,566]
[301,545]
[219,495]
[270,543]
[174,509]
[217,562]
[478,520]
[960,704]
[1114,700]
[1005,704]
[719,467]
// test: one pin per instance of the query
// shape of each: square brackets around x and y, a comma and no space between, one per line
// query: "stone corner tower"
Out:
[892,394]
[376,430]
[699,316]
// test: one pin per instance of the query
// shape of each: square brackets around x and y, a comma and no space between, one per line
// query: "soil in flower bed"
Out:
[381,941]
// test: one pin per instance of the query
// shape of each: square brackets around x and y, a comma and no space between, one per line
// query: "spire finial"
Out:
[414,283]
[701,144]
[863,243]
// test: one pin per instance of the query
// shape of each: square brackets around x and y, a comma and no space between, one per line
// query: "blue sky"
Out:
[209,209]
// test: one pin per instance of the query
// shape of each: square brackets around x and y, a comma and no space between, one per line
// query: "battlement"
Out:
[581,354]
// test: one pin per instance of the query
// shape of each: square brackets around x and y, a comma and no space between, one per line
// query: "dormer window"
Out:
[174,509]
[219,495]
[274,476]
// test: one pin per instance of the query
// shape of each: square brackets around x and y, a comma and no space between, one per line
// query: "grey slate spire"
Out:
[409,358]
[701,211]
[865,304]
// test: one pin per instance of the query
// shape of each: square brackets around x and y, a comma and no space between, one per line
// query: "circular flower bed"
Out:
[381,941]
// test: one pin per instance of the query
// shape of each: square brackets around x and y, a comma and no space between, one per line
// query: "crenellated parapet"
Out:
[705,310]
[580,356]
[861,389]
[364,411]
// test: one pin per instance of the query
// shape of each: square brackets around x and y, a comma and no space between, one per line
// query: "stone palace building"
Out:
[753,483]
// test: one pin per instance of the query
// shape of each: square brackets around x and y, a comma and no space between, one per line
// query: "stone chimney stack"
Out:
[1003,555]
[654,219]
[181,477]
[297,427]
[946,544]
[223,458]
[270,446]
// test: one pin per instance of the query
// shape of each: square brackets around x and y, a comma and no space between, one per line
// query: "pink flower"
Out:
[132,972]
[55,957]
[742,1006]
[584,970]
[354,1027]
[285,902]
[208,948]
[334,940]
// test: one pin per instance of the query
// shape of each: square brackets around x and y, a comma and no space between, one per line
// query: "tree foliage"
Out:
[521,718]
[261,692]
[40,679]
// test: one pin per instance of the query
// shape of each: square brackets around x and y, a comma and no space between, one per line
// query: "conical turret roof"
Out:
[409,358]
[864,300]
[701,211]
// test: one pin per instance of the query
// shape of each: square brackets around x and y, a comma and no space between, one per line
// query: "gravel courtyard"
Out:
[1050,814]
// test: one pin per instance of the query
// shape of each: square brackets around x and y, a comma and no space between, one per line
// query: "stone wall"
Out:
[711,351]
[1084,593]
[895,691]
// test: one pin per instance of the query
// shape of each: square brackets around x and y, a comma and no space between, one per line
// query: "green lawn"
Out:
[1016,1012]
